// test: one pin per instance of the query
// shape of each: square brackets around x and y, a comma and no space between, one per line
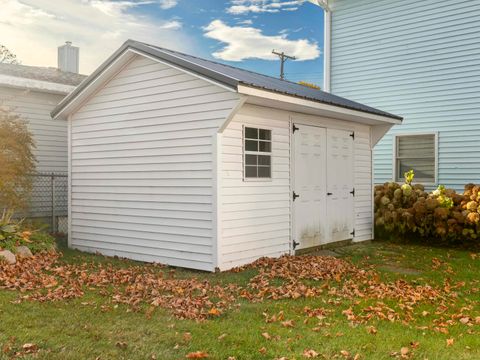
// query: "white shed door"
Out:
[310,162]
[323,204]
[340,184]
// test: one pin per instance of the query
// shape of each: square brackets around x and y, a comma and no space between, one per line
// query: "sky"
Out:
[241,33]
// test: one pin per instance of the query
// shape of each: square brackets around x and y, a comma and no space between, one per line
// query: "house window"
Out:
[257,153]
[417,153]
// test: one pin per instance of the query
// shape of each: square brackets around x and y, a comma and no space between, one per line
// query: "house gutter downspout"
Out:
[327,49]
[327,43]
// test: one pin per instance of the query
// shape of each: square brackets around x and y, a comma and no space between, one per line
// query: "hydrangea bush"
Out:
[407,209]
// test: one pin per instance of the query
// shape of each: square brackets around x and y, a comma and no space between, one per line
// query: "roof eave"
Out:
[317,105]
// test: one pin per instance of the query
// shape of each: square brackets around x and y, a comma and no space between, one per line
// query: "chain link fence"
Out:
[49,200]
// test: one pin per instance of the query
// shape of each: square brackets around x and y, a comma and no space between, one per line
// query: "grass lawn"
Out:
[94,327]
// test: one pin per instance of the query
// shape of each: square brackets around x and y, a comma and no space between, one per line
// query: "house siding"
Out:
[256,216]
[420,60]
[142,166]
[50,137]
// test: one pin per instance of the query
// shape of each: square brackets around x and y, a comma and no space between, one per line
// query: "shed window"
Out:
[257,153]
[417,153]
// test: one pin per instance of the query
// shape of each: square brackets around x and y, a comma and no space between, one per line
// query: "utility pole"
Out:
[283,58]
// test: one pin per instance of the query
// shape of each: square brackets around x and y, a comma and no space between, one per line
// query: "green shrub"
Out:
[407,210]
[14,233]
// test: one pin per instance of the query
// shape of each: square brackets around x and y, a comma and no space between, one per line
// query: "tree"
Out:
[7,57]
[310,85]
[17,161]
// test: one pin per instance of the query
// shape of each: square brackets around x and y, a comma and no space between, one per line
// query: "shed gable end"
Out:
[142,165]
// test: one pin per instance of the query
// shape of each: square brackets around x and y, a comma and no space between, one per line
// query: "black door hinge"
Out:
[353,192]
[353,233]
[329,193]
[294,196]
[294,128]
[353,135]
[295,244]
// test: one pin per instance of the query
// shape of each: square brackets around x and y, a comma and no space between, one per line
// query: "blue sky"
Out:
[237,32]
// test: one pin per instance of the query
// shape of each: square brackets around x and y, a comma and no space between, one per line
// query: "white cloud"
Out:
[33,29]
[239,7]
[171,25]
[250,43]
[168,4]
[245,22]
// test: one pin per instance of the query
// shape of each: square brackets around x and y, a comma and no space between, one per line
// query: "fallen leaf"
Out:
[310,353]
[197,355]
[121,344]
[221,337]
[288,323]
[266,336]
[450,342]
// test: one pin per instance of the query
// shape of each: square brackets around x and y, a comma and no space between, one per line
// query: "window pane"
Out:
[250,171]
[424,169]
[265,146]
[251,159]
[251,133]
[416,146]
[264,171]
[265,134]
[264,159]
[251,145]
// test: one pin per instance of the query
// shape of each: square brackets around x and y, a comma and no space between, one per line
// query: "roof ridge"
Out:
[222,64]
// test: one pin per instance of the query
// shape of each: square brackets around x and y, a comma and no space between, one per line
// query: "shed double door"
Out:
[323,184]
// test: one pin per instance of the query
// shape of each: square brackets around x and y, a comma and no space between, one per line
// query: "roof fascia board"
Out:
[247,90]
[185,64]
[36,85]
[195,74]
[133,48]
[107,70]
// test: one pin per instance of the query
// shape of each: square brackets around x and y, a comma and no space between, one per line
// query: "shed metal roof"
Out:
[229,76]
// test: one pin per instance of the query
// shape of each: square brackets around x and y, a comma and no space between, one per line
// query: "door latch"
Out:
[295,244]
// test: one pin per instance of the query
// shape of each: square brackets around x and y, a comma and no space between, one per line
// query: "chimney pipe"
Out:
[68,57]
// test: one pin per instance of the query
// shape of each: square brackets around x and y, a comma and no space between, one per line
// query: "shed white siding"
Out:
[255,216]
[142,166]
[420,60]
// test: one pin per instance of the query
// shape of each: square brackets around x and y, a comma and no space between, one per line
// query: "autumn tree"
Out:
[17,161]
[310,85]
[7,57]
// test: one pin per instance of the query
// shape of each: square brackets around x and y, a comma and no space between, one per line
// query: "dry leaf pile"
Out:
[46,278]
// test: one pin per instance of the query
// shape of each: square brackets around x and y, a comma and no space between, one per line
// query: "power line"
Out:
[283,57]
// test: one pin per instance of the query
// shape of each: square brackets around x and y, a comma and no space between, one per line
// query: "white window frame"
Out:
[246,152]
[397,177]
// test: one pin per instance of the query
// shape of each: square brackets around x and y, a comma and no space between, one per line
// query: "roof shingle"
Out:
[48,74]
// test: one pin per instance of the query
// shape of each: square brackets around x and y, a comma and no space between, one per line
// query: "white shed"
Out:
[192,163]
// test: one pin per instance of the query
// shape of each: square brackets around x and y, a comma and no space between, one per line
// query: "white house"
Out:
[33,92]
[192,163]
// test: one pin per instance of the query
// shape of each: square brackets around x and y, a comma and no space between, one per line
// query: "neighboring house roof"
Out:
[227,75]
[48,74]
